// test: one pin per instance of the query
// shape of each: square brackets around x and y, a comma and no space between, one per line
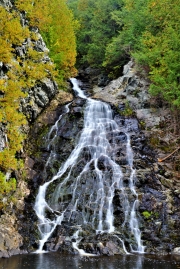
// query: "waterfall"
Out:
[133,219]
[86,198]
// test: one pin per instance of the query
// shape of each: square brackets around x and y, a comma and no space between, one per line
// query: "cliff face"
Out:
[159,185]
[30,65]
[43,90]
[157,182]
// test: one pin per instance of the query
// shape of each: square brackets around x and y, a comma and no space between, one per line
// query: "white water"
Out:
[75,246]
[98,144]
[134,225]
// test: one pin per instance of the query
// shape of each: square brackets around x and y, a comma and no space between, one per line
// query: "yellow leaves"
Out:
[1,83]
[13,120]
[10,27]
[153,4]
[24,71]
[55,20]
[60,36]
[8,160]
[129,4]
[14,33]
[6,185]
[11,33]
[24,5]
[37,12]
[5,50]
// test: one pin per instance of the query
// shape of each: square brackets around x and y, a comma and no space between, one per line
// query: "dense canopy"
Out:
[149,31]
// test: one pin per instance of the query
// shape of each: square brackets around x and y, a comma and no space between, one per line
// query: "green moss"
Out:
[156,215]
[142,125]
[8,186]
[146,214]
[36,140]
[150,215]
[127,112]
[154,141]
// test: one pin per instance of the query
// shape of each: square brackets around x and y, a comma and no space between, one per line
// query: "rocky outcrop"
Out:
[42,93]
[6,3]
[131,90]
[39,96]
[157,186]
[3,137]
[11,242]
[127,88]
[10,239]
[37,100]
[93,76]
[158,189]
[157,182]
[17,219]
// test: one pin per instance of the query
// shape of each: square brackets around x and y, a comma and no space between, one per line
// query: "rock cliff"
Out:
[38,98]
[157,183]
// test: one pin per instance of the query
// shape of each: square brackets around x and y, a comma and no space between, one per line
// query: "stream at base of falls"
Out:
[55,260]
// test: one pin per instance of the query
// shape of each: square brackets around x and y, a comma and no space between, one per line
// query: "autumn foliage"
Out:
[55,22]
[57,26]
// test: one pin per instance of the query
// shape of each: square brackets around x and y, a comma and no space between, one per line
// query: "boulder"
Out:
[176,251]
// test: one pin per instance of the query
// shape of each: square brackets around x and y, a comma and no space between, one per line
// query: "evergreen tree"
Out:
[97,27]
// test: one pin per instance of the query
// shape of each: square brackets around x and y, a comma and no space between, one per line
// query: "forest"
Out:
[80,33]
[112,31]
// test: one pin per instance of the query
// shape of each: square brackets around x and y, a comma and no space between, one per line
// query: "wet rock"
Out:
[149,116]
[103,80]
[176,251]
[77,110]
[158,210]
[129,87]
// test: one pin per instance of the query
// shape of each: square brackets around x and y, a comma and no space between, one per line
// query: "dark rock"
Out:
[158,209]
[103,80]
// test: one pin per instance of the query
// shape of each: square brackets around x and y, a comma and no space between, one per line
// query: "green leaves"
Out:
[151,34]
[160,50]
[97,27]
[59,36]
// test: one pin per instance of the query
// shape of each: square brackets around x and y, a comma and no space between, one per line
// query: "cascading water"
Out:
[46,226]
[88,179]
[133,219]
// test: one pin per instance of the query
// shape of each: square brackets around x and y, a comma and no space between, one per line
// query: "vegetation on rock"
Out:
[57,26]
[149,31]
[21,71]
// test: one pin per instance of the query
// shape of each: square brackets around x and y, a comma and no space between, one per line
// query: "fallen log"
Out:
[161,160]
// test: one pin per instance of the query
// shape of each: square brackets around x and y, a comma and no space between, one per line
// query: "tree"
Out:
[60,38]
[97,27]
[160,50]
